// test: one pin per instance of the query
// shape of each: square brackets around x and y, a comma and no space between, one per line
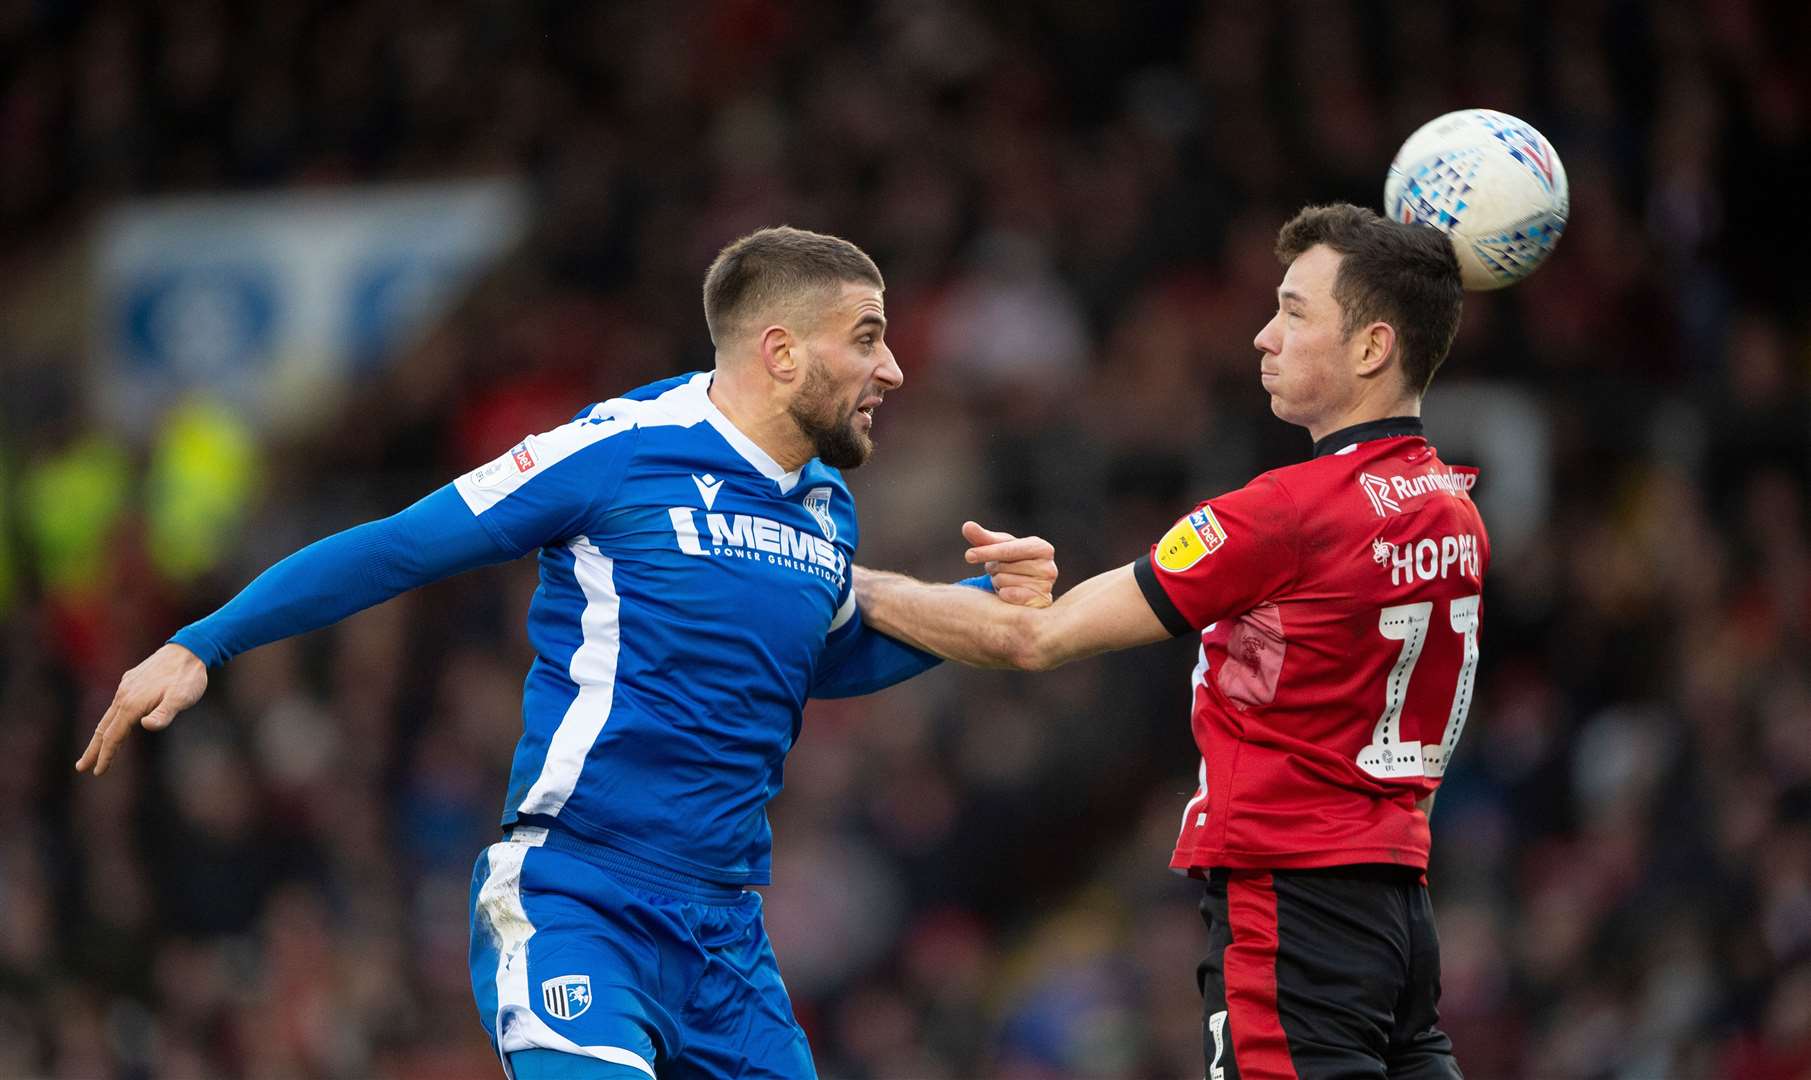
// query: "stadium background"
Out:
[1073,205]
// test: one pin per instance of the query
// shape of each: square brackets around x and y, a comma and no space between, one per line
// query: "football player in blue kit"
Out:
[695,542]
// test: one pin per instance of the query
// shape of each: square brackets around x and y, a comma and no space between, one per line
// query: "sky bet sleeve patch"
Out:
[1189,539]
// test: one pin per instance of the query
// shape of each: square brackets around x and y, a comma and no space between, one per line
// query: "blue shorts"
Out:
[589,952]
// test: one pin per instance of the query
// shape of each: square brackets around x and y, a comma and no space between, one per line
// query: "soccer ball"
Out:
[1491,182]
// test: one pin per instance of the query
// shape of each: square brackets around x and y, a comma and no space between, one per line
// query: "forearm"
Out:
[955,622]
[1104,613]
[342,574]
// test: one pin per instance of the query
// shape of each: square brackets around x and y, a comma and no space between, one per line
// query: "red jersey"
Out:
[1338,606]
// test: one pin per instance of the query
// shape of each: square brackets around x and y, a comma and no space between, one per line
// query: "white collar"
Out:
[741,443]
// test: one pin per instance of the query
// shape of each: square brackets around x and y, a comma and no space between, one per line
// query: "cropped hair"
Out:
[771,268]
[1404,275]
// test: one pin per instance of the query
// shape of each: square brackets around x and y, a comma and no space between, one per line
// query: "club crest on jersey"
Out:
[1190,540]
[567,997]
[1377,489]
[817,500]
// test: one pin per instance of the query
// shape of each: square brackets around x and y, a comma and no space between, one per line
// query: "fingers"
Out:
[117,730]
[87,760]
[169,681]
[973,532]
[1024,597]
[1025,549]
[120,719]
[1008,579]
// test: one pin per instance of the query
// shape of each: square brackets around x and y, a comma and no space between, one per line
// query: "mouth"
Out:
[867,407]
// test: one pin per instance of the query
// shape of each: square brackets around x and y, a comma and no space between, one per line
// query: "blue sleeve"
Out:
[857,660]
[345,573]
[547,487]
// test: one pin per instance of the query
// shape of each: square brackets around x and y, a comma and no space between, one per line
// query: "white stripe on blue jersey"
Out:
[593,668]
[688,585]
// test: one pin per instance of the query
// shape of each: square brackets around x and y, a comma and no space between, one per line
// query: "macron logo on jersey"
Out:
[708,486]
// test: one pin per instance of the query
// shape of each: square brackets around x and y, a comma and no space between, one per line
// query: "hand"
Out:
[169,681]
[1023,568]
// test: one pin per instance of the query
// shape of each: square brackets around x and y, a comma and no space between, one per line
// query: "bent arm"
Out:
[345,573]
[860,660]
[1106,613]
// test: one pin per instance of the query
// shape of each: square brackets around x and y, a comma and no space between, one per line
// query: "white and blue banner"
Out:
[271,301]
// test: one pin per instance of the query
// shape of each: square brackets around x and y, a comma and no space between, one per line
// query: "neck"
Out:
[1364,412]
[757,407]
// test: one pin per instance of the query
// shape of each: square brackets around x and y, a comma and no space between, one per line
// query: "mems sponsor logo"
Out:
[746,536]
[1428,559]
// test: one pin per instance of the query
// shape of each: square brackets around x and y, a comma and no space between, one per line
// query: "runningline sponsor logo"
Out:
[1386,495]
[746,536]
[1377,489]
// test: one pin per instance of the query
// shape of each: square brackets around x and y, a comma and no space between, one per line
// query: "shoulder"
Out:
[1270,497]
[612,428]
[680,401]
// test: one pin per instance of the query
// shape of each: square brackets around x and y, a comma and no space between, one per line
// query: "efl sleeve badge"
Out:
[1189,540]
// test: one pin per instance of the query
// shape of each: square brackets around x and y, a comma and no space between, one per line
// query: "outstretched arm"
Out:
[859,659]
[315,587]
[541,490]
[1103,614]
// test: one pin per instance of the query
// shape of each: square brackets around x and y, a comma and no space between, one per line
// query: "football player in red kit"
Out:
[1338,606]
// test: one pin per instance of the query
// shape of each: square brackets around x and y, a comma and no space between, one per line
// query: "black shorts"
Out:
[1322,973]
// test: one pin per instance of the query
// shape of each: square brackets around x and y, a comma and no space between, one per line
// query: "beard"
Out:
[828,422]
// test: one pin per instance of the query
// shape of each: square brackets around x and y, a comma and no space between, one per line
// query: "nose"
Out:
[889,375]
[1266,341]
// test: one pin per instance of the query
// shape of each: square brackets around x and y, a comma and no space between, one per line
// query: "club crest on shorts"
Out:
[1189,540]
[817,500]
[567,997]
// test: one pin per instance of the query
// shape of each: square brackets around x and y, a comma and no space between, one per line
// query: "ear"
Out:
[1379,348]
[779,353]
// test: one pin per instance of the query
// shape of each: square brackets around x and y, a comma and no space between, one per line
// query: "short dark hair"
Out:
[1405,275]
[774,266]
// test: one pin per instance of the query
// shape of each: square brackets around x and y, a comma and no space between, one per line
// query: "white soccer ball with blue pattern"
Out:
[1491,182]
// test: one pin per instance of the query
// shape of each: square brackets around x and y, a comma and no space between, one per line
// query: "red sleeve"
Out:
[1226,557]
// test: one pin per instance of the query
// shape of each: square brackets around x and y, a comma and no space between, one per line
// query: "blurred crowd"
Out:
[1074,206]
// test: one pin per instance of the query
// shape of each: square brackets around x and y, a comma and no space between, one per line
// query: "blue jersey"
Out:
[689,589]
[693,594]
